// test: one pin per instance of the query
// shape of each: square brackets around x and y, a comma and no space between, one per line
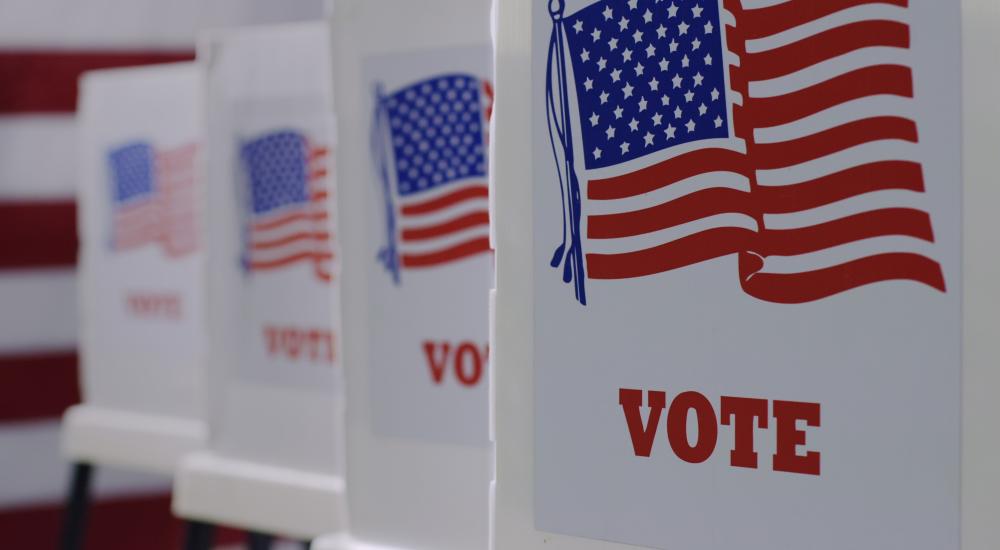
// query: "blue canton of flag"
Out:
[276,166]
[437,133]
[647,79]
[132,172]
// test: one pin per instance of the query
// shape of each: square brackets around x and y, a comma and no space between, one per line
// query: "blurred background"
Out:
[44,46]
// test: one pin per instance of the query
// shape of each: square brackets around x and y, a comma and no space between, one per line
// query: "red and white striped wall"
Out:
[44,46]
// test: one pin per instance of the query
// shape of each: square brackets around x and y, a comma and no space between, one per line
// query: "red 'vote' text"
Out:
[466,360]
[744,414]
[299,344]
[154,305]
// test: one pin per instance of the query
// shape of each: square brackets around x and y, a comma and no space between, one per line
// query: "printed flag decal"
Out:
[154,198]
[429,143]
[705,131]
[287,210]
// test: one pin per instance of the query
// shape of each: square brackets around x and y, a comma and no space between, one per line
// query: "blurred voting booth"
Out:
[274,462]
[141,264]
[413,100]
[737,295]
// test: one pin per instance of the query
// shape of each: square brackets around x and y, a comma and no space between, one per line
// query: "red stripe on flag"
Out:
[46,81]
[317,153]
[37,386]
[37,234]
[696,206]
[761,22]
[320,236]
[905,222]
[690,250]
[797,288]
[858,180]
[472,219]
[289,218]
[667,172]
[459,251]
[769,156]
[291,259]
[439,203]
[823,46]
[870,81]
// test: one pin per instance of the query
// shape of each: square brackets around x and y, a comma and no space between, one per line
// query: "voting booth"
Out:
[274,463]
[414,95]
[142,335]
[742,256]
[746,281]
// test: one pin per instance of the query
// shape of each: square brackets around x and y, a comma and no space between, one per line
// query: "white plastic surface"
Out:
[981,266]
[345,542]
[330,542]
[274,460]
[141,373]
[514,519]
[403,492]
[271,499]
[129,440]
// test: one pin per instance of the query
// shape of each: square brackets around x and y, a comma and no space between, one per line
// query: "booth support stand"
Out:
[77,503]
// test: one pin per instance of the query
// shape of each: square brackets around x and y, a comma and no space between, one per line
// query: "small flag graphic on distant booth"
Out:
[154,198]
[696,140]
[287,209]
[429,142]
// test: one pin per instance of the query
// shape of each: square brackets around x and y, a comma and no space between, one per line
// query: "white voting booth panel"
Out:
[413,99]
[141,265]
[274,460]
[746,289]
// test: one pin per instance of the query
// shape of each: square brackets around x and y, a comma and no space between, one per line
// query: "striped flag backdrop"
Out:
[704,128]
[44,46]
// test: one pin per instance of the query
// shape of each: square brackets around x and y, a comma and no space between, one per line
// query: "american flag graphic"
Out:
[429,142]
[288,220]
[777,133]
[154,198]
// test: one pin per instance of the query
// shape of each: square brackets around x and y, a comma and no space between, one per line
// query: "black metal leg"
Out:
[259,541]
[200,536]
[306,544]
[74,524]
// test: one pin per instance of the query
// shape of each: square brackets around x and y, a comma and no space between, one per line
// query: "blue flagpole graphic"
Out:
[560,130]
[388,255]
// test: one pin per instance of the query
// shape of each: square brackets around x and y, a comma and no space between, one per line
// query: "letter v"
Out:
[437,366]
[642,435]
